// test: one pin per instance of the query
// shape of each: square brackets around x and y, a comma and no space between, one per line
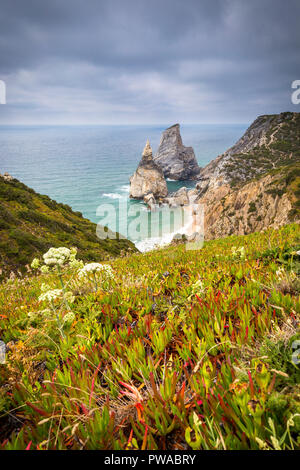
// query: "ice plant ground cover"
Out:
[173,349]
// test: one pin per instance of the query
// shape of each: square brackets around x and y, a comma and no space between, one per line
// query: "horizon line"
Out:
[123,124]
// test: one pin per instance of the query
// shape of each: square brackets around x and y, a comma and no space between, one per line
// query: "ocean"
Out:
[88,167]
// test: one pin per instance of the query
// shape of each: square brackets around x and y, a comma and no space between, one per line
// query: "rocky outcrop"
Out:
[150,201]
[251,208]
[270,142]
[6,176]
[177,161]
[252,186]
[148,179]
[179,198]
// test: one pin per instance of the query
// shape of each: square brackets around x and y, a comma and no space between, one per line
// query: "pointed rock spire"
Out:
[147,152]
[148,178]
[177,161]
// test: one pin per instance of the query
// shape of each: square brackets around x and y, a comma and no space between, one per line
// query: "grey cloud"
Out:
[88,61]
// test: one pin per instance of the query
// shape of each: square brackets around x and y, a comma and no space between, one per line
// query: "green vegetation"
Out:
[281,149]
[31,223]
[252,207]
[286,180]
[172,349]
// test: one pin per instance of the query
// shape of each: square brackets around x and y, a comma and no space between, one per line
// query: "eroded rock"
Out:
[177,161]
[179,198]
[148,178]
[149,199]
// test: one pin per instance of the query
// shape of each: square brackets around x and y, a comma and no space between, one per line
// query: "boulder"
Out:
[149,199]
[195,237]
[177,161]
[7,177]
[179,198]
[148,178]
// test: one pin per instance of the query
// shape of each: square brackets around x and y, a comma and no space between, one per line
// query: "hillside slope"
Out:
[177,350]
[30,223]
[256,183]
[270,142]
[271,200]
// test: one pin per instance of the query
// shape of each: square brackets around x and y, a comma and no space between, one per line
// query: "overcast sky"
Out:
[147,61]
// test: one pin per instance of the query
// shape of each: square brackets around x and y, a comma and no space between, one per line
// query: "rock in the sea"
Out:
[177,161]
[149,199]
[148,178]
[179,198]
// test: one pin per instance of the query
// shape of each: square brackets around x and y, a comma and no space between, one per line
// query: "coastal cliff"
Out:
[252,186]
[270,142]
[256,183]
[270,201]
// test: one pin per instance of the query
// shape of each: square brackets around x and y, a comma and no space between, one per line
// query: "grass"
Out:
[280,150]
[179,350]
[30,223]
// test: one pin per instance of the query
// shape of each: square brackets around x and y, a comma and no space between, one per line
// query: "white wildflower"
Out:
[73,253]
[31,314]
[44,269]
[280,273]
[69,297]
[37,315]
[76,264]
[197,289]
[293,276]
[35,263]
[69,318]
[238,252]
[57,256]
[51,295]
[45,287]
[93,268]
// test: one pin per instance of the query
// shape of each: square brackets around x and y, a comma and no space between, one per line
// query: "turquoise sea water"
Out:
[88,166]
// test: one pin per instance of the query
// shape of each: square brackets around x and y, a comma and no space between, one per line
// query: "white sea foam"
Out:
[149,244]
[114,195]
[125,188]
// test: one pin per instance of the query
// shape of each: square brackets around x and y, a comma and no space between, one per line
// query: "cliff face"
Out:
[148,179]
[270,201]
[256,183]
[270,142]
[177,161]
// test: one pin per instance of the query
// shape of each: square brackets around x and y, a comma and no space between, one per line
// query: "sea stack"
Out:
[148,179]
[176,161]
